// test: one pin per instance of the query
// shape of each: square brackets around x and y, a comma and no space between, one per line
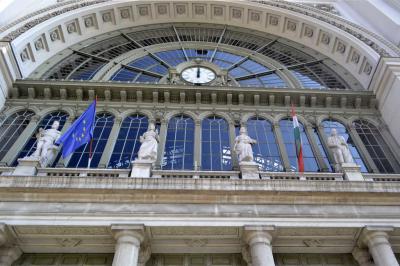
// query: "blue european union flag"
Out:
[79,133]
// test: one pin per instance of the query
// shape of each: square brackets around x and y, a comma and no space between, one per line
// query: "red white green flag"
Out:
[297,141]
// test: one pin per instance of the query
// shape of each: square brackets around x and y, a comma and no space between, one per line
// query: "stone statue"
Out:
[340,149]
[243,146]
[149,140]
[45,143]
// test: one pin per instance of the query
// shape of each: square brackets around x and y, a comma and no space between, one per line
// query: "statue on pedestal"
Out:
[149,140]
[340,149]
[45,143]
[243,146]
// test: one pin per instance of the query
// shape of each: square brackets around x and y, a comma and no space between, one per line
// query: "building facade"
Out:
[199,71]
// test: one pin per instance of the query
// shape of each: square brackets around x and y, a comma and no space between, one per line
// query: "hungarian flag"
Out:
[297,141]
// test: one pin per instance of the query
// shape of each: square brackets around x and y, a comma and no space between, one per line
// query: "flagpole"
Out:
[91,141]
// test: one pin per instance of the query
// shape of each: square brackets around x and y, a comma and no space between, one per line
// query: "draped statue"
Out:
[243,146]
[340,148]
[149,140]
[45,143]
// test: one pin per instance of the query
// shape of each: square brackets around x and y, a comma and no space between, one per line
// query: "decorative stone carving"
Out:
[89,22]
[255,16]
[45,143]
[218,11]
[149,140]
[355,58]
[144,254]
[125,13]
[236,13]
[162,9]
[341,47]
[325,38]
[309,32]
[313,242]
[143,11]
[340,149]
[180,9]
[71,27]
[243,147]
[291,26]
[68,242]
[199,9]
[273,20]
[107,17]
[196,242]
[367,68]
[54,35]
[39,44]
[24,55]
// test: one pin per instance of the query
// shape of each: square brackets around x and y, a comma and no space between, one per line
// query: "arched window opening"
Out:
[128,141]
[215,146]
[310,163]
[266,152]
[375,145]
[12,128]
[102,128]
[179,145]
[342,131]
[322,150]
[45,123]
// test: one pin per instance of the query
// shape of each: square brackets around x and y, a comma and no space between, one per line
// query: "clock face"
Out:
[198,75]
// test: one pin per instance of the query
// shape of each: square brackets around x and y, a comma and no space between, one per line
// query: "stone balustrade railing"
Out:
[382,177]
[302,176]
[196,174]
[83,172]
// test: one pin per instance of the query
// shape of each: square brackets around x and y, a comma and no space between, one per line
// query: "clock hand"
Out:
[198,72]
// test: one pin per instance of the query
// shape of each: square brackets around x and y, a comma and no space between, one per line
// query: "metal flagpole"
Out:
[91,141]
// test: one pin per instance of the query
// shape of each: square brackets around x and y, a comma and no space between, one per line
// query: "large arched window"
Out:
[376,146]
[179,145]
[12,127]
[342,131]
[310,163]
[266,151]
[128,141]
[102,128]
[45,123]
[216,150]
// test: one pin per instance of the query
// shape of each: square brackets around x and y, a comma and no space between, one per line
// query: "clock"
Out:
[198,75]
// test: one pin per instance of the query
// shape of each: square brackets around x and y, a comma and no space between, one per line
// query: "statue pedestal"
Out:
[352,172]
[249,170]
[27,166]
[141,168]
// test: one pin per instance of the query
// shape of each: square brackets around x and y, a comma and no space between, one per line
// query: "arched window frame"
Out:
[174,130]
[270,146]
[45,123]
[127,143]
[10,129]
[101,133]
[208,149]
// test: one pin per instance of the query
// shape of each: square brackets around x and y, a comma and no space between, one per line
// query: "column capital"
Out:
[372,235]
[132,234]
[257,234]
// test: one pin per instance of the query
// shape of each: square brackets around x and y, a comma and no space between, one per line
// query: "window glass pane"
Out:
[128,141]
[179,145]
[310,163]
[216,151]
[322,149]
[102,128]
[12,128]
[45,123]
[375,145]
[342,131]
[265,151]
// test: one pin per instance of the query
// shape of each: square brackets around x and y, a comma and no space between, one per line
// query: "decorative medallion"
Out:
[162,9]
[199,10]
[125,13]
[89,22]
[255,16]
[54,35]
[341,47]
[180,9]
[71,27]
[218,11]
[367,68]
[309,32]
[273,20]
[143,11]
[39,44]
[325,39]
[236,13]
[291,26]
[355,57]
[24,55]
[107,17]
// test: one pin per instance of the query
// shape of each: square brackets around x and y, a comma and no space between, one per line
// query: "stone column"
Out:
[362,256]
[324,142]
[317,152]
[232,136]
[378,244]
[108,149]
[259,240]
[161,145]
[197,144]
[8,255]
[127,248]
[281,146]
